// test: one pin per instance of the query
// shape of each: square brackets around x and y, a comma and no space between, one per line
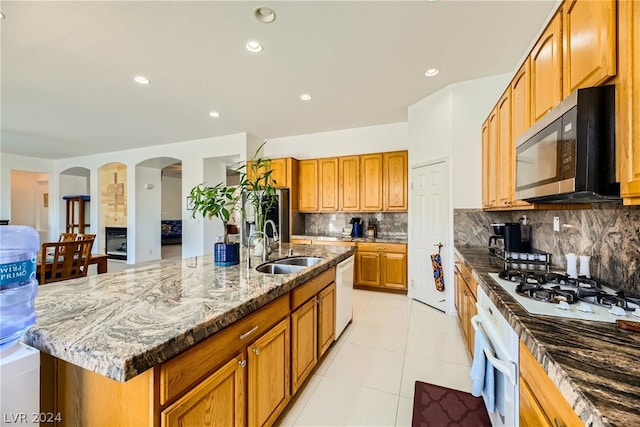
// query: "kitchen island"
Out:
[593,364]
[133,325]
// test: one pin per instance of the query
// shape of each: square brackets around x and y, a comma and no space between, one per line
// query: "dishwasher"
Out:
[344,295]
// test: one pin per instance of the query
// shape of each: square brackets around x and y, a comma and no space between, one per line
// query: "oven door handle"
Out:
[505,367]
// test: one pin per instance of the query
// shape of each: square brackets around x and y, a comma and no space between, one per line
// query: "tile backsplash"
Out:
[389,224]
[608,232]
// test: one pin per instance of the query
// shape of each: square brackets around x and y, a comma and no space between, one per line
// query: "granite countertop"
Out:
[595,365]
[121,324]
[341,238]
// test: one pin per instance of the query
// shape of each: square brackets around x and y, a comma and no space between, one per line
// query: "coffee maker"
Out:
[517,237]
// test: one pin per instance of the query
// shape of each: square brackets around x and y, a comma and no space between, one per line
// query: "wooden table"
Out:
[99,259]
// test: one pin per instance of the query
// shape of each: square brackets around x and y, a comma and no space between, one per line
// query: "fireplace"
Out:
[116,242]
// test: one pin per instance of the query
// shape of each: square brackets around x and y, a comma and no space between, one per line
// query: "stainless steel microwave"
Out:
[568,156]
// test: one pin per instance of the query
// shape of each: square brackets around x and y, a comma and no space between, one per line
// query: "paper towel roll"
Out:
[572,265]
[584,266]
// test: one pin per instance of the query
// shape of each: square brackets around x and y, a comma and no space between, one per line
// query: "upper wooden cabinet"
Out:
[394,181]
[308,185]
[328,184]
[371,182]
[485,164]
[589,43]
[628,105]
[492,162]
[506,182]
[280,171]
[546,69]
[520,114]
[349,183]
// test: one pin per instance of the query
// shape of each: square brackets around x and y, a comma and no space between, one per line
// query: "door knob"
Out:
[256,351]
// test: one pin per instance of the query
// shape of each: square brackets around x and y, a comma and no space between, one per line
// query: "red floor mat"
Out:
[436,406]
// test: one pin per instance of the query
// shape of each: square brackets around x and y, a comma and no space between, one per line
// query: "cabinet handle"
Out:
[242,363]
[558,423]
[256,351]
[249,332]
[465,293]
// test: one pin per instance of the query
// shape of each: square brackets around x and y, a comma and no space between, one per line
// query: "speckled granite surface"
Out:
[121,324]
[340,238]
[595,365]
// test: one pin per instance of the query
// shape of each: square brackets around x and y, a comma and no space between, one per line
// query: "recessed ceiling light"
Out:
[141,80]
[264,14]
[253,46]
[214,114]
[431,72]
[305,97]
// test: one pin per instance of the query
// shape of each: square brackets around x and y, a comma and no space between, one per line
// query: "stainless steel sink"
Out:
[273,268]
[306,261]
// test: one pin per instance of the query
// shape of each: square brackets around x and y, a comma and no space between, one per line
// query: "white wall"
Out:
[10,162]
[370,139]
[447,125]
[147,240]
[27,201]
[171,197]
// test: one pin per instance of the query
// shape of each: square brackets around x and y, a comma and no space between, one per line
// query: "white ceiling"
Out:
[67,66]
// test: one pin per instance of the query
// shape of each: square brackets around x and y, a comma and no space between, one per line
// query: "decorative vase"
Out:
[225,254]
[258,247]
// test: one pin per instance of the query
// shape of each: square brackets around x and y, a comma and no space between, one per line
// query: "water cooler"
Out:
[19,363]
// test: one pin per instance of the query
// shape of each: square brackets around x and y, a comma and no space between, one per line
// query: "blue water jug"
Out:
[18,285]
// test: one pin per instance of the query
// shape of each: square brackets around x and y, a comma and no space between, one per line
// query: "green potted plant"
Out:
[218,201]
[260,189]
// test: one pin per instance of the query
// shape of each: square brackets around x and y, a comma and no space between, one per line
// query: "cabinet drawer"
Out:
[183,371]
[383,247]
[302,293]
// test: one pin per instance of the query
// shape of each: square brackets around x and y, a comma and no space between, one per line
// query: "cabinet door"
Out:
[268,370]
[308,185]
[279,173]
[458,295]
[395,270]
[219,400]
[492,173]
[628,107]
[470,311]
[349,184]
[520,115]
[304,343]
[371,183]
[589,32]
[485,164]
[506,183]
[546,69]
[328,184]
[531,414]
[368,268]
[394,171]
[326,318]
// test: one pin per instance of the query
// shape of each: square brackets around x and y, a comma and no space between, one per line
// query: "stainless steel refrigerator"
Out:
[278,213]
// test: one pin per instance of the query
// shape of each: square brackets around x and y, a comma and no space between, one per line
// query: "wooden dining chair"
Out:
[64,260]
[86,236]
[67,237]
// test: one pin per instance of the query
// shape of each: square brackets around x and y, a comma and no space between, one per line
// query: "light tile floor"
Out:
[367,377]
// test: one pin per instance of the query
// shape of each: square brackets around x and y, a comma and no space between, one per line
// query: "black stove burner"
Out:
[551,287]
[547,294]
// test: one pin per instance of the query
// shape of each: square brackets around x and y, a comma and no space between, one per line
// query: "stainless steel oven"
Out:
[502,354]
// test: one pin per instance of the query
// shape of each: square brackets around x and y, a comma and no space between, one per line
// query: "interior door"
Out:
[430,224]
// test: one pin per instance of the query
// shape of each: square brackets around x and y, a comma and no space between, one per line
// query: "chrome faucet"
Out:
[265,239]
[255,233]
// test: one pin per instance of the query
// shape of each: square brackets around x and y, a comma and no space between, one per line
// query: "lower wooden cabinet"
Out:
[326,318]
[382,265]
[541,403]
[219,400]
[304,342]
[313,325]
[465,301]
[268,362]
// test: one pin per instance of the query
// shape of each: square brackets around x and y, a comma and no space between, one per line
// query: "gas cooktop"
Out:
[557,295]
